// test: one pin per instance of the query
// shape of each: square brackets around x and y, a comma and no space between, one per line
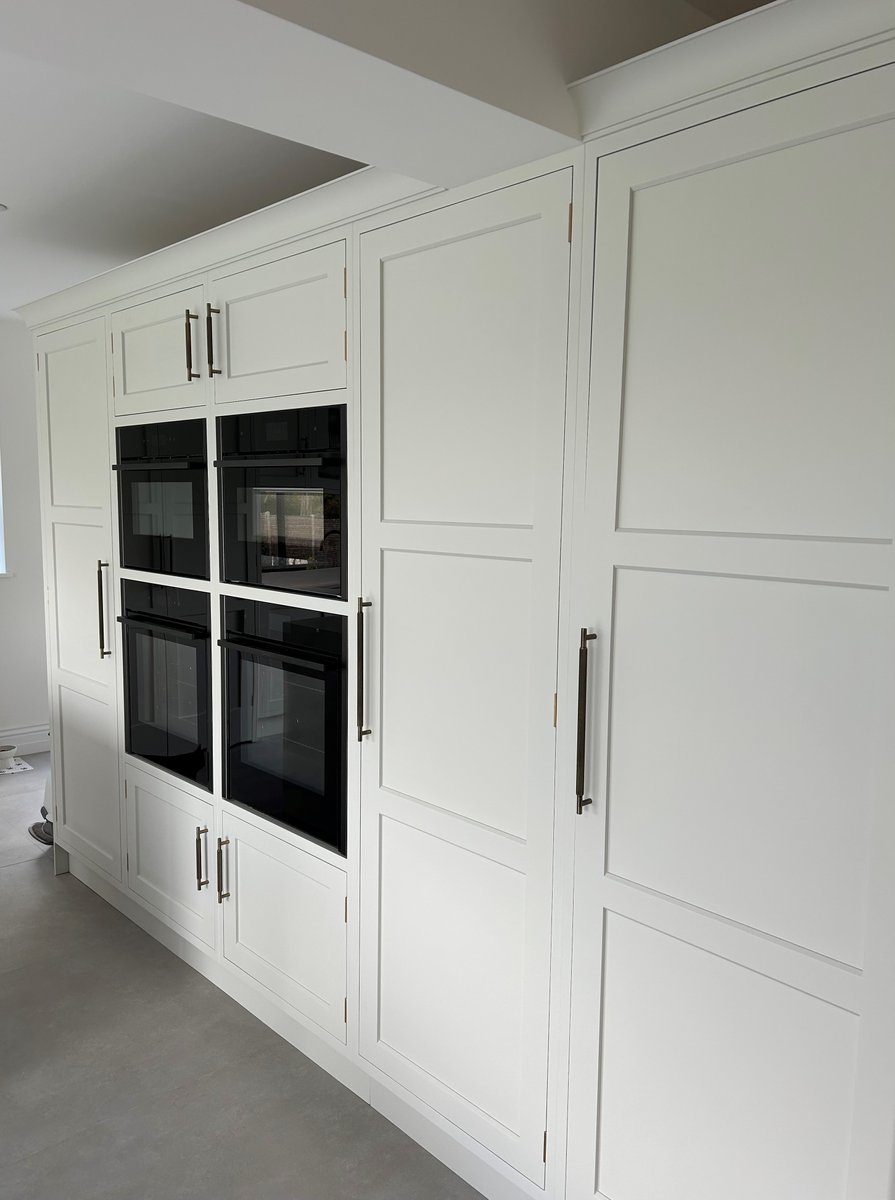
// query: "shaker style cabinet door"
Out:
[73,428]
[284,921]
[278,328]
[159,354]
[170,841]
[733,1016]
[463,361]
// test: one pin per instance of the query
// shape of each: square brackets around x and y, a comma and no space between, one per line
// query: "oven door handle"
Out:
[294,460]
[194,635]
[290,656]
[160,464]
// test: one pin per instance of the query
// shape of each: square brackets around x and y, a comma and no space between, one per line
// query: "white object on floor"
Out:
[12,766]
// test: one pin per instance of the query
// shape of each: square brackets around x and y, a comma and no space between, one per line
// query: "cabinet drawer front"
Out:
[163,867]
[284,922]
[281,326]
[150,349]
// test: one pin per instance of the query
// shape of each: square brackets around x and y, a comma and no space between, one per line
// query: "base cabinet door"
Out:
[284,920]
[278,328]
[73,428]
[159,358]
[463,351]
[733,1006]
[170,852]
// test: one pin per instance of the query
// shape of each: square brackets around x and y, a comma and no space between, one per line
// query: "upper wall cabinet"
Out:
[158,353]
[278,328]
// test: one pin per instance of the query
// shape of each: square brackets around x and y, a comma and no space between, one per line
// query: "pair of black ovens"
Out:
[281,498]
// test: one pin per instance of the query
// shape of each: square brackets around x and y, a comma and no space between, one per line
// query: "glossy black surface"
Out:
[163,498]
[285,730]
[282,497]
[167,679]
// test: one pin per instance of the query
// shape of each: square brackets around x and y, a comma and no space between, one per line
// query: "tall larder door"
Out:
[733,1024]
[463,359]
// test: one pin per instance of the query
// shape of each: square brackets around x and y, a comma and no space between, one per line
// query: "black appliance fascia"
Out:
[283,501]
[167,678]
[163,497]
[285,716]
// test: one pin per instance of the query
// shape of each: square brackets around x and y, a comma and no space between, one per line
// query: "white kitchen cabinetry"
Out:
[170,850]
[463,353]
[733,999]
[159,353]
[73,427]
[284,916]
[277,328]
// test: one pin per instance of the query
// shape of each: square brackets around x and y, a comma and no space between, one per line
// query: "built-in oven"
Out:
[167,680]
[281,488]
[285,727]
[163,497]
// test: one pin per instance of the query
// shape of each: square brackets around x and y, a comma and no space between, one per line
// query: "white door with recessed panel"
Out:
[733,1020]
[463,362]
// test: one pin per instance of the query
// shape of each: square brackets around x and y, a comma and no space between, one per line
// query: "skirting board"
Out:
[28,739]
[427,1133]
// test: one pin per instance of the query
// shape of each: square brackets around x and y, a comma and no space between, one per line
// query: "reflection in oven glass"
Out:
[296,530]
[282,721]
[163,509]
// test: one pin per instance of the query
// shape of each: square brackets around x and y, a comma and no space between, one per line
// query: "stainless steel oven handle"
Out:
[222,895]
[201,830]
[361,605]
[100,607]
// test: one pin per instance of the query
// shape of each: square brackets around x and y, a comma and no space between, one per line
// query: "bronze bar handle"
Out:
[200,882]
[582,801]
[209,338]
[361,605]
[100,607]
[222,895]
[188,333]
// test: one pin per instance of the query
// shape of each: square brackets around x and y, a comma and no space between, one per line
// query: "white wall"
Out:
[23,672]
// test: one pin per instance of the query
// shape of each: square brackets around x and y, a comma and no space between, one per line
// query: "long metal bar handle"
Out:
[580,760]
[188,334]
[100,608]
[200,882]
[361,605]
[222,895]
[209,338]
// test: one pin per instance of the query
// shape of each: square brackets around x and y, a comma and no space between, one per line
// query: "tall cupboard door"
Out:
[733,1023]
[73,423]
[463,356]
[278,328]
[159,353]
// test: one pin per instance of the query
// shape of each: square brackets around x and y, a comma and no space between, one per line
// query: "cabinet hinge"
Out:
[125,789]
[570,224]
[555,702]
[344,283]
[346,1010]
[345,345]
[346,910]
[127,862]
[37,356]
[545,1145]
[113,385]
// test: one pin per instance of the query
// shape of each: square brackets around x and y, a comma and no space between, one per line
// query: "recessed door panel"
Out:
[159,353]
[87,801]
[281,326]
[83,590]
[76,422]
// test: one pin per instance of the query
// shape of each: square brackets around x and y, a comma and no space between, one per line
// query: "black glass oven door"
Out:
[281,524]
[285,739]
[166,698]
[163,512]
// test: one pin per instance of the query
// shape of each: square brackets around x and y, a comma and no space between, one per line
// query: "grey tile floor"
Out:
[124,1075]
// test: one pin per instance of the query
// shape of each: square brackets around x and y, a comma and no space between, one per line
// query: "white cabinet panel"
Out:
[75,397]
[696,1048]
[743,366]
[87,803]
[170,838]
[452,967]
[732,738]
[76,552]
[734,909]
[281,326]
[153,345]
[463,378]
[455,707]
[284,922]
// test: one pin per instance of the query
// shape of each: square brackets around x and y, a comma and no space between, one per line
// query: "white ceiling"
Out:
[94,176]
[119,137]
